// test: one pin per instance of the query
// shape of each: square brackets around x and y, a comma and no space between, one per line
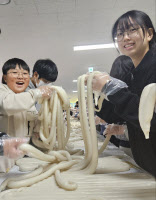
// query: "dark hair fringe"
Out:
[11,64]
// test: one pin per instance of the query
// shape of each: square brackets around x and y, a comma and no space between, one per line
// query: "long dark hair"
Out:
[140,18]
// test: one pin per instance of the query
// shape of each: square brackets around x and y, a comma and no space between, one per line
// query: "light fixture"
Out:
[96,46]
[4,2]
[90,69]
[74,91]
[74,81]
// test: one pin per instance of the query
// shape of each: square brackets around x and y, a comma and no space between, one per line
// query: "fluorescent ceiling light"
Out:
[97,46]
[74,91]
[74,81]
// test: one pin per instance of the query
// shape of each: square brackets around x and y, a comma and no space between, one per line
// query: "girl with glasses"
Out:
[136,38]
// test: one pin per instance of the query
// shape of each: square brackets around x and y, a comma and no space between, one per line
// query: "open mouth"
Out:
[20,83]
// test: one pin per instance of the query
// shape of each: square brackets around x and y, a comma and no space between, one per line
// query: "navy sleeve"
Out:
[126,105]
[108,114]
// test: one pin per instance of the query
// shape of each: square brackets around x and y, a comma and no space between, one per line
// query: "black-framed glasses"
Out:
[132,32]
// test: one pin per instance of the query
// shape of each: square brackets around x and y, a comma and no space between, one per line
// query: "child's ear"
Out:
[35,75]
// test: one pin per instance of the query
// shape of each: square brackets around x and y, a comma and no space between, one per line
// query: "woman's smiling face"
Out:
[134,44]
[17,79]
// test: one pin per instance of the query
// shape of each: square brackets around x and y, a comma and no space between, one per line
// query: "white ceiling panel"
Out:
[47,2]
[28,9]
[23,2]
[47,8]
[134,4]
[66,6]
[34,29]
[92,5]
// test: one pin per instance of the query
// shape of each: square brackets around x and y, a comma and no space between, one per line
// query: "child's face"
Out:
[17,79]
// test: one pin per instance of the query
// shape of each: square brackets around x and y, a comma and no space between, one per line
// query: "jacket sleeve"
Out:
[126,103]
[127,107]
[11,103]
[108,114]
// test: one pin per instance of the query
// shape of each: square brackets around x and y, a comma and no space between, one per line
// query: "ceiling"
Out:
[34,29]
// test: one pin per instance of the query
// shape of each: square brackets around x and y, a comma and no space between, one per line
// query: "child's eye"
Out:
[119,34]
[132,29]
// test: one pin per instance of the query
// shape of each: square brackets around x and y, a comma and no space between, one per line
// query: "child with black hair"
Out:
[121,68]
[44,72]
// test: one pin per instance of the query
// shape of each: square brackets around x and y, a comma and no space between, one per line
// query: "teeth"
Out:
[128,45]
[19,82]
